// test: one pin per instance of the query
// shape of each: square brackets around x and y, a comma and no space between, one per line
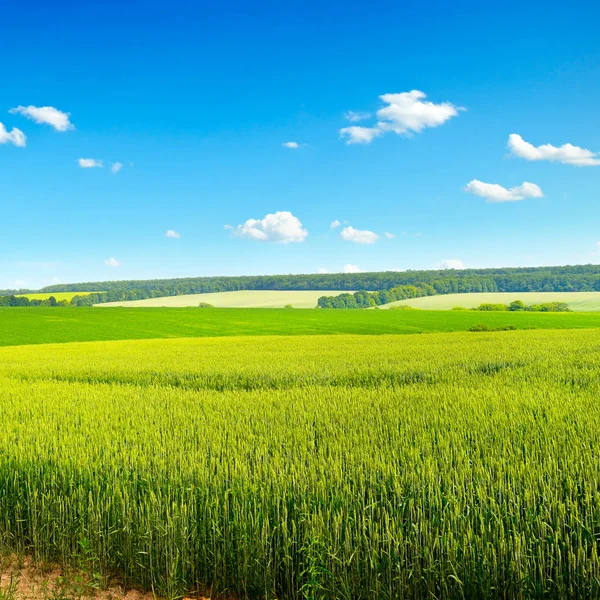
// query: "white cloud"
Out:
[292,145]
[358,236]
[349,268]
[360,135]
[17,284]
[90,163]
[172,234]
[389,236]
[406,113]
[282,227]
[15,136]
[116,167]
[112,262]
[334,224]
[451,263]
[323,271]
[46,114]
[566,154]
[355,117]
[493,192]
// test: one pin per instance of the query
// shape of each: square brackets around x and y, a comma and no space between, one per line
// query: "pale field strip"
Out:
[578,301]
[241,299]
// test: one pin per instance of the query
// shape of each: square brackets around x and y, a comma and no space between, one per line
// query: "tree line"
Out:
[12,300]
[379,286]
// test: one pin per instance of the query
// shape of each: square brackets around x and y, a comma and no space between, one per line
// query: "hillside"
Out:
[242,299]
[577,301]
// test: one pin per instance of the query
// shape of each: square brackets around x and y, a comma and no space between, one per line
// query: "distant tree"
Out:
[516,305]
[288,306]
[52,301]
[205,305]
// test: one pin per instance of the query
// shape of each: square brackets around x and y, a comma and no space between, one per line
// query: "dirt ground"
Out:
[22,579]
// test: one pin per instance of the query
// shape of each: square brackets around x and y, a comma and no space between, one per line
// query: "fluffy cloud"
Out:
[292,145]
[172,234]
[116,167]
[334,224]
[349,268]
[451,263]
[112,262]
[406,113]
[389,236]
[282,227]
[360,135]
[355,117]
[358,236]
[323,271]
[493,192]
[90,163]
[566,154]
[46,114]
[16,136]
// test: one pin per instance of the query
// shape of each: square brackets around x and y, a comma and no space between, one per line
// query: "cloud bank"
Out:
[47,115]
[566,154]
[406,113]
[90,163]
[15,136]
[493,192]
[451,263]
[280,227]
[358,236]
[112,262]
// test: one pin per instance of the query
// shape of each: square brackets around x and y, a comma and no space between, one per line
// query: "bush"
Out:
[288,306]
[484,327]
[205,305]
[550,307]
[496,307]
[458,308]
[403,307]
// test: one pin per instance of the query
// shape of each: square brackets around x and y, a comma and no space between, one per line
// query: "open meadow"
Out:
[577,301]
[453,465]
[41,325]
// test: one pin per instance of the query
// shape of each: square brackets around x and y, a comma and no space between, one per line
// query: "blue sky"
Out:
[195,101]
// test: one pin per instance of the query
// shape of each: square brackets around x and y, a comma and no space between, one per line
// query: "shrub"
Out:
[205,305]
[484,327]
[489,306]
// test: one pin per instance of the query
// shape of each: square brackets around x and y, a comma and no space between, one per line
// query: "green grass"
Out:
[578,301]
[241,299]
[47,325]
[57,295]
[436,466]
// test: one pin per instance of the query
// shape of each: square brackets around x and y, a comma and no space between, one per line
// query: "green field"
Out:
[241,299]
[577,301]
[447,466]
[47,325]
[68,296]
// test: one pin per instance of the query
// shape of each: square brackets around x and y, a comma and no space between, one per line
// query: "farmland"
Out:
[577,301]
[43,325]
[68,296]
[439,465]
[241,299]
